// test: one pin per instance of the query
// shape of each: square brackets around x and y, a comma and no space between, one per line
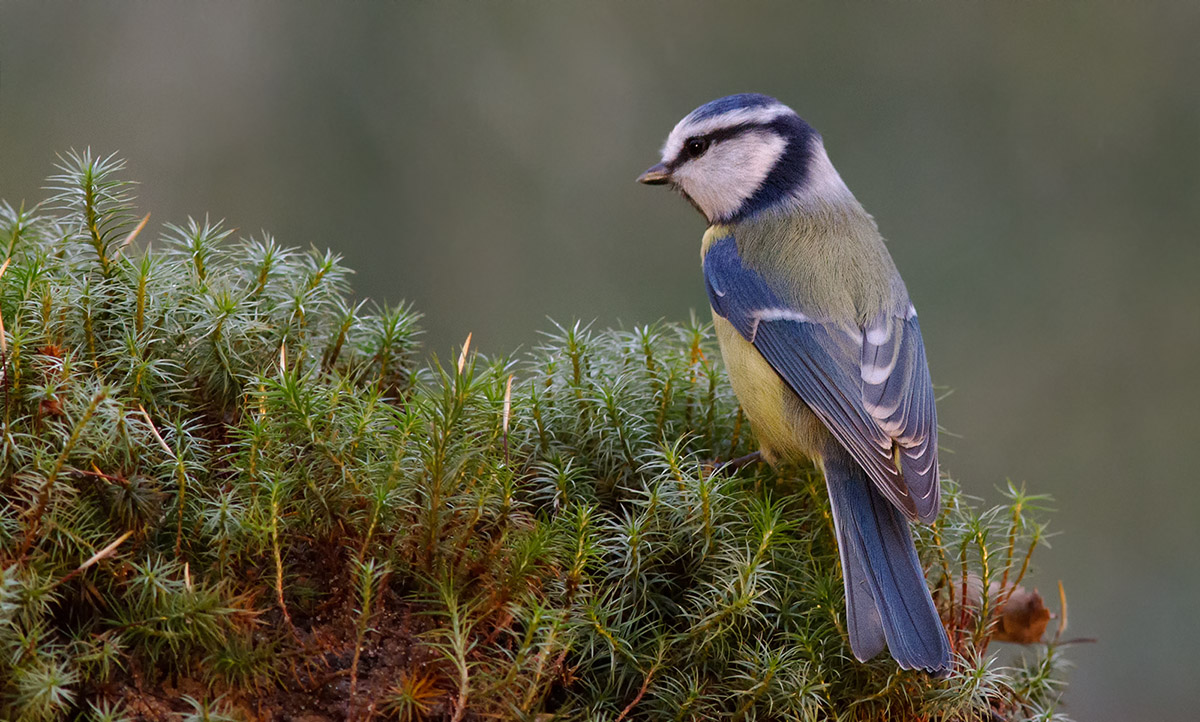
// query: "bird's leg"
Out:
[742,461]
[734,465]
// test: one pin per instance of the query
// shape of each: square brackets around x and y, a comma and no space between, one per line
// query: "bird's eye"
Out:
[695,147]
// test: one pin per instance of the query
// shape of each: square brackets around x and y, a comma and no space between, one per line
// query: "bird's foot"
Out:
[733,465]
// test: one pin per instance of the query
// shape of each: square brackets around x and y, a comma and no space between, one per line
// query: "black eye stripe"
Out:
[712,138]
[733,131]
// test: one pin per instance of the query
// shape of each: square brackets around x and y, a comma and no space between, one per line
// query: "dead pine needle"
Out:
[462,356]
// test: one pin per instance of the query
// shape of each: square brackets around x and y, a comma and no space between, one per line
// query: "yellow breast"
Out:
[783,424]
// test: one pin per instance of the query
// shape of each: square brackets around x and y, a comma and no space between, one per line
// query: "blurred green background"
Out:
[1036,168]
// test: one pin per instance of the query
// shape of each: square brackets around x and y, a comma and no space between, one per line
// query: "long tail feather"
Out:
[887,600]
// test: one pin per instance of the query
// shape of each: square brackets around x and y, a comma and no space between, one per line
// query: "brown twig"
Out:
[506,415]
[4,346]
[131,237]
[638,697]
[462,357]
[102,554]
[1062,615]
[3,340]
[52,477]
[182,473]
[154,431]
[101,475]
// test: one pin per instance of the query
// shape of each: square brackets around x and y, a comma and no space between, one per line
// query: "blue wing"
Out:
[869,385]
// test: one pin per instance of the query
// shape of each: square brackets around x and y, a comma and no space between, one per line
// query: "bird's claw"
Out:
[733,465]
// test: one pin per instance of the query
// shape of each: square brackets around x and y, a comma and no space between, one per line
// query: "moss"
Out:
[230,491]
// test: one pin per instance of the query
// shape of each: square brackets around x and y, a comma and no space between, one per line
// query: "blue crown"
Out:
[732,102]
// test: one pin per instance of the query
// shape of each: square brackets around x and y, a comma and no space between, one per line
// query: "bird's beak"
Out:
[656,176]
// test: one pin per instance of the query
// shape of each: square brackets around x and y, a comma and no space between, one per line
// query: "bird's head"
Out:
[742,154]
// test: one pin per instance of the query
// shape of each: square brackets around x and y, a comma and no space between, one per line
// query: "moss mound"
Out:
[229,492]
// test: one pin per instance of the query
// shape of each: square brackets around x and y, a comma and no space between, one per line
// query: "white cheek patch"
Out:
[731,171]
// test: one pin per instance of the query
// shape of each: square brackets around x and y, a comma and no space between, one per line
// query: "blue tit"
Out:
[823,349]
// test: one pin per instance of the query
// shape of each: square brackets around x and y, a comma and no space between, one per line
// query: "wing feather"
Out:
[870,386]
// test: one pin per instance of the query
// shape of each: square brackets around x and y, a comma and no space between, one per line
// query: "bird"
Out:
[823,350]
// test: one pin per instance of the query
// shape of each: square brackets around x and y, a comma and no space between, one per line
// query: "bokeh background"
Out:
[1035,166]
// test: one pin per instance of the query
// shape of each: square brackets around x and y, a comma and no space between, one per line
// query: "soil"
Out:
[313,670]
